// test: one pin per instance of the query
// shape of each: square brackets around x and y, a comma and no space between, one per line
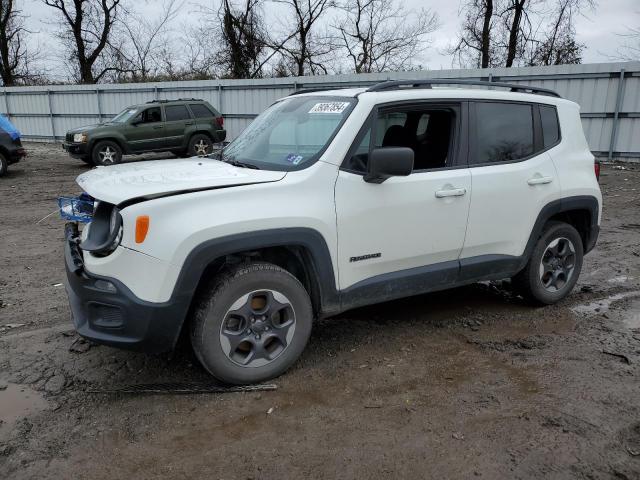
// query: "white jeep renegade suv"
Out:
[328,201]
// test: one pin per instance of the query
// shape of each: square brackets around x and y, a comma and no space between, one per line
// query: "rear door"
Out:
[206,119]
[513,178]
[177,120]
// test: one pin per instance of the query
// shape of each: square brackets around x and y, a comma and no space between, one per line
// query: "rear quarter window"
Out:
[550,125]
[201,111]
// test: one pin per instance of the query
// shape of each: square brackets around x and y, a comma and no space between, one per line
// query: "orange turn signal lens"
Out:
[142,228]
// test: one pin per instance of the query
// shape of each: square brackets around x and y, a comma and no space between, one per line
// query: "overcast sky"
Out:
[599,30]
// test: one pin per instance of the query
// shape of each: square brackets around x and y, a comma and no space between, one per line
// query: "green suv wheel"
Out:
[200,145]
[106,153]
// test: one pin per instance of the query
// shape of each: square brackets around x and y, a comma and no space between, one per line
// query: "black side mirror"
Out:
[388,162]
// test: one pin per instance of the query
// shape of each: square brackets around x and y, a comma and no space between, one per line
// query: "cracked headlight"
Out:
[105,233]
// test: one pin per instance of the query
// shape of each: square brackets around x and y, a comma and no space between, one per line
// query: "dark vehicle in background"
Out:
[185,127]
[11,149]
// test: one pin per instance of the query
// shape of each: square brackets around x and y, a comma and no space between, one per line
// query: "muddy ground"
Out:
[466,383]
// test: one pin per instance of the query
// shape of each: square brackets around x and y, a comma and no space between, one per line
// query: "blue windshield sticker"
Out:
[294,159]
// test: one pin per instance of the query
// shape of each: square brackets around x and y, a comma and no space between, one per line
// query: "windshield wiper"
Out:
[237,163]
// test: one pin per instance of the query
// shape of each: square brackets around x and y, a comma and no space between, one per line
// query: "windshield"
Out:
[290,133]
[124,115]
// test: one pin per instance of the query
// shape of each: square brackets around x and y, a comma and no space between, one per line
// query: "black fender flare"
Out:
[209,251]
[568,204]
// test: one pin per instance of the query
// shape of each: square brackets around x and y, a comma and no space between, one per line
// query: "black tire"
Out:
[200,145]
[545,283]
[244,285]
[106,153]
[4,165]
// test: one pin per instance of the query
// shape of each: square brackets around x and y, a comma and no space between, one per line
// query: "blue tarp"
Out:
[8,127]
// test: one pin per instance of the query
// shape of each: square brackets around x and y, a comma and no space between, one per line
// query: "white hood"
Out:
[118,183]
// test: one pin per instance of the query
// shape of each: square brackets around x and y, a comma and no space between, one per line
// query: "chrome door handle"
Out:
[540,180]
[453,192]
[158,126]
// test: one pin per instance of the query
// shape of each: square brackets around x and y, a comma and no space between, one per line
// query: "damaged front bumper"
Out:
[105,311]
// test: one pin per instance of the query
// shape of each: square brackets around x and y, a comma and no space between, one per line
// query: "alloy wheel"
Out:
[107,155]
[557,264]
[258,328]
[202,147]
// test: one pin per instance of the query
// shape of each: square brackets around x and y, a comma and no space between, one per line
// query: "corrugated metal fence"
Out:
[608,93]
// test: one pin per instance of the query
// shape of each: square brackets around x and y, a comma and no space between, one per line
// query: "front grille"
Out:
[69,137]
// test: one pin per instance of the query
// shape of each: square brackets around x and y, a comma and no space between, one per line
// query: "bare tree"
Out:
[520,32]
[378,35]
[557,44]
[302,48]
[244,39]
[16,62]
[515,15]
[144,44]
[86,27]
[476,39]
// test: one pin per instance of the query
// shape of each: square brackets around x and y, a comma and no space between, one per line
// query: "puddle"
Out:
[631,315]
[601,306]
[16,402]
[620,279]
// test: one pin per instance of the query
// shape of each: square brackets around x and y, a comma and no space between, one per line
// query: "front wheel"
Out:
[554,266]
[251,323]
[106,153]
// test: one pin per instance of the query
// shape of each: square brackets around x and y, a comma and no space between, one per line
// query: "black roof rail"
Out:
[177,100]
[312,90]
[397,84]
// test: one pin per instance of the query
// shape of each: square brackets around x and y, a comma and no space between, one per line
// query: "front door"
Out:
[146,130]
[406,227]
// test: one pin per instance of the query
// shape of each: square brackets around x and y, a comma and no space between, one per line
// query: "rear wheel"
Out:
[200,145]
[106,153]
[251,323]
[554,266]
[4,165]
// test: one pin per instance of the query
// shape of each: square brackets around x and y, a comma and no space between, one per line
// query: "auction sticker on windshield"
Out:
[329,107]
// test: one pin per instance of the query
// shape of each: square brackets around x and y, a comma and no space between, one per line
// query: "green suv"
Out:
[186,127]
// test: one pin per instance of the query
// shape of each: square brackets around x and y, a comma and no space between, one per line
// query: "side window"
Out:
[150,115]
[550,125]
[176,112]
[427,131]
[201,111]
[504,132]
